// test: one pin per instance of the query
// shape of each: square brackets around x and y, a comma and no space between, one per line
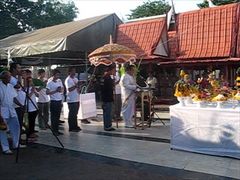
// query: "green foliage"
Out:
[205,3]
[150,8]
[38,82]
[18,16]
[223,2]
[3,69]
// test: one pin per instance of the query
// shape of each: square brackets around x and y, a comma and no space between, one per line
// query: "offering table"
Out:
[208,130]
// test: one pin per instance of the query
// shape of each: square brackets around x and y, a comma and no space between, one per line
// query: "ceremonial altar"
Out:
[208,130]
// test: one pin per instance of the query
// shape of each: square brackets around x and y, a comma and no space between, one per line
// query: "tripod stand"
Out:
[28,98]
[153,113]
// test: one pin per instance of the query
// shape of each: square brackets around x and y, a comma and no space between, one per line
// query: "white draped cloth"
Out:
[128,87]
[207,130]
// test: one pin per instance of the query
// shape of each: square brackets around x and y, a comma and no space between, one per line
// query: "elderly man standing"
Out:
[128,88]
[8,114]
[16,73]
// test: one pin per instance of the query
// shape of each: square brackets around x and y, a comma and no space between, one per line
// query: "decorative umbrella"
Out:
[111,53]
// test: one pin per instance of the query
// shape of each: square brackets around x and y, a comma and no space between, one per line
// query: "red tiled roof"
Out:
[172,44]
[238,37]
[196,61]
[142,36]
[208,33]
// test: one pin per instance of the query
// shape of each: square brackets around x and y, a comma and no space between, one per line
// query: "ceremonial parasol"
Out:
[111,53]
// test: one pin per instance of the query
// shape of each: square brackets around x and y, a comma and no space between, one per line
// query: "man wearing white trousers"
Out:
[128,88]
[7,99]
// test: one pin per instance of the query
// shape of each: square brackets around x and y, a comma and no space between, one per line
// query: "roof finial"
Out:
[110,41]
[211,3]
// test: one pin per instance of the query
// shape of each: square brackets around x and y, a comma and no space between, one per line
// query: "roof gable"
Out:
[143,37]
[208,33]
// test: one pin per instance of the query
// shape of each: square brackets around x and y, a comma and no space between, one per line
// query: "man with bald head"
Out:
[7,112]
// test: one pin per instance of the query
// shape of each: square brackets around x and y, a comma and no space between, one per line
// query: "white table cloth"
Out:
[209,130]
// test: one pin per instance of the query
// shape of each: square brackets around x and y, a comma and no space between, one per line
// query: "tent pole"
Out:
[49,71]
[9,59]
[86,68]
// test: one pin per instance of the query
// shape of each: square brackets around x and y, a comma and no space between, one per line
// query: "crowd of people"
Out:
[24,98]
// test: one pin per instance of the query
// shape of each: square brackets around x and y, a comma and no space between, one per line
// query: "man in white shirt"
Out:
[72,87]
[43,101]
[16,72]
[31,104]
[152,81]
[7,99]
[55,90]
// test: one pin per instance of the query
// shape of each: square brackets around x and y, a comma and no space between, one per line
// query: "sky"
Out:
[90,8]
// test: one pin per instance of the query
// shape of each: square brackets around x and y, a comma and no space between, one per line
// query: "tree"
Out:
[18,16]
[205,3]
[150,8]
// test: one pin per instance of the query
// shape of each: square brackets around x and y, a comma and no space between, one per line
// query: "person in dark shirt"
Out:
[107,97]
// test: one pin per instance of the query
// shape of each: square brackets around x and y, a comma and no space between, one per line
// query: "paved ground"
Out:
[44,162]
[122,154]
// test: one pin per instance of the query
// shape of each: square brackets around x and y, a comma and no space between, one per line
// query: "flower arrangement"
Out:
[237,96]
[182,89]
[221,94]
[203,95]
[220,97]
[237,86]
[205,90]
[182,86]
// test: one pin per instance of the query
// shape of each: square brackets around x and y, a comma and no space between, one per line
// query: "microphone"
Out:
[143,79]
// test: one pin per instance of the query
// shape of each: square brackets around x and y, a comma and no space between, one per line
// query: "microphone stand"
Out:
[48,126]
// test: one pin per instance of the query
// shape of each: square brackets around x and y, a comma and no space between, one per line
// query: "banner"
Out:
[87,109]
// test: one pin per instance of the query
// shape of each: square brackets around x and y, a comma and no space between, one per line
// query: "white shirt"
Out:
[33,100]
[117,86]
[152,81]
[52,86]
[72,96]
[43,97]
[128,85]
[21,97]
[7,94]
[117,89]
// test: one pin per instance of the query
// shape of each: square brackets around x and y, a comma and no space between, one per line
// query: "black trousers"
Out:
[55,110]
[31,121]
[20,113]
[72,115]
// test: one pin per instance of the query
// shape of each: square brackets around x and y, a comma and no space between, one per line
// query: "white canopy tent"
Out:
[64,41]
